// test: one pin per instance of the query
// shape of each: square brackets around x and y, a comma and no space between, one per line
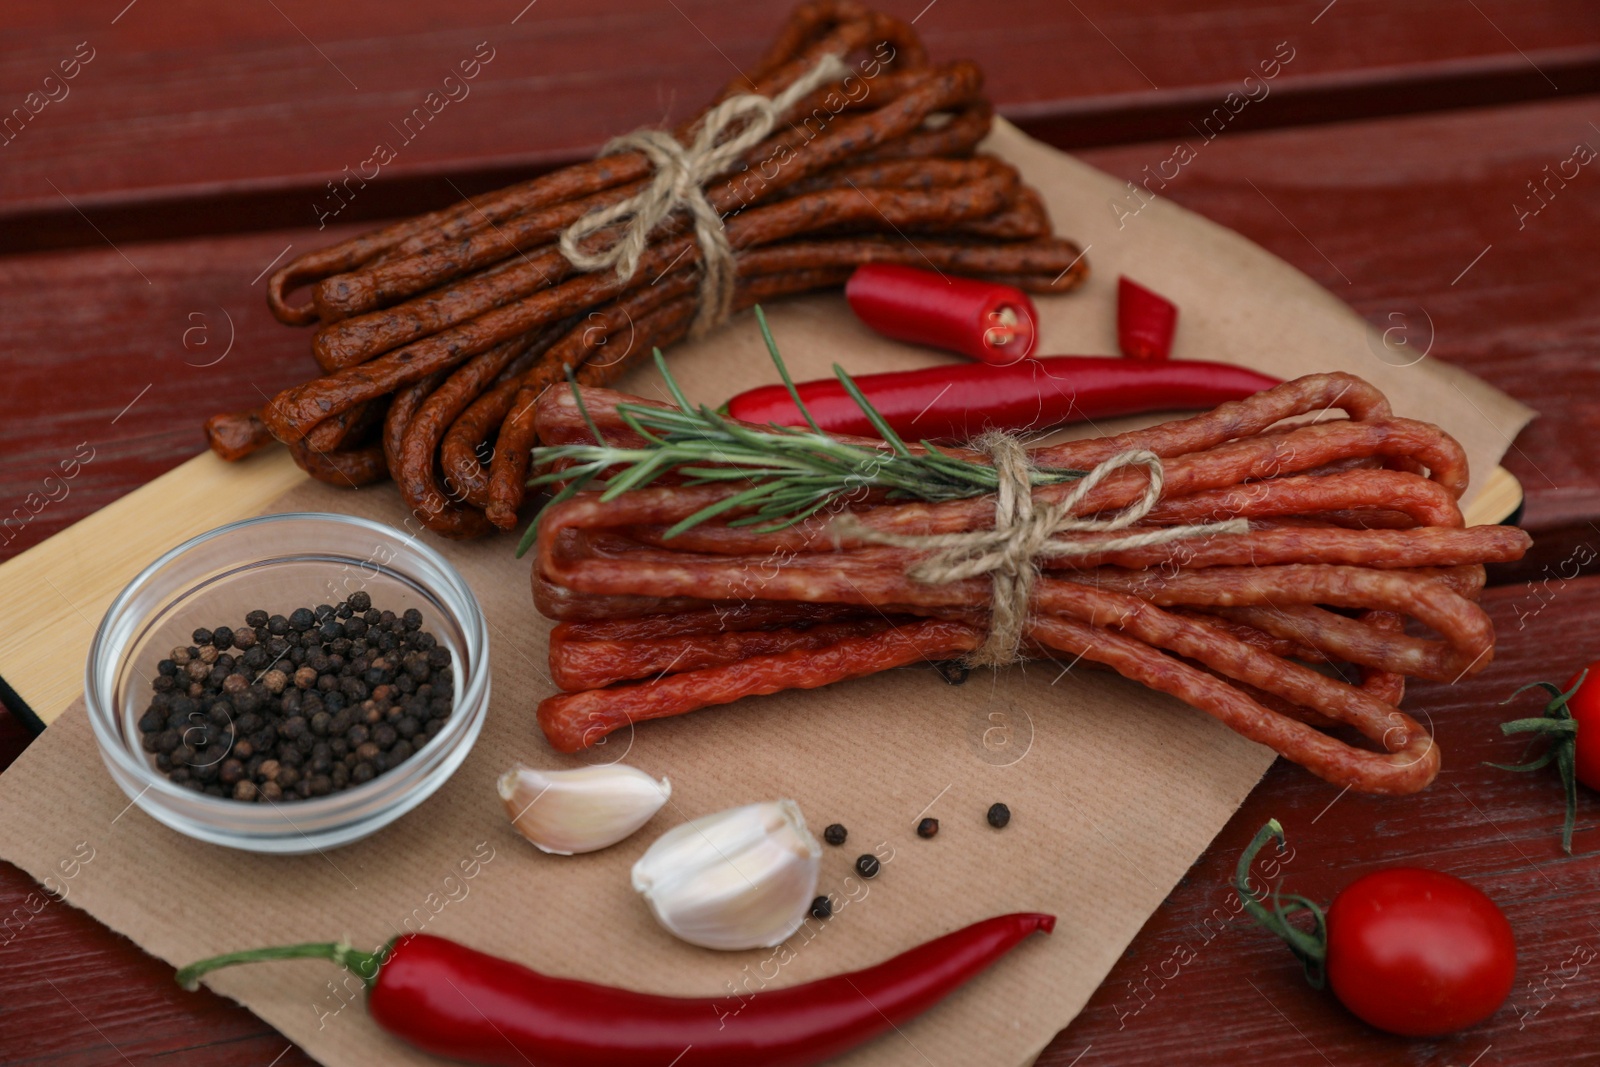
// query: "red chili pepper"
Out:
[468,1005]
[1146,321]
[985,320]
[961,401]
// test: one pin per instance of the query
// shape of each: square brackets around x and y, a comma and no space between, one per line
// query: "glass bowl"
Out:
[278,563]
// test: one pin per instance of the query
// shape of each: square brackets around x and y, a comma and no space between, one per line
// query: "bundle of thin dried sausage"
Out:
[1286,620]
[437,334]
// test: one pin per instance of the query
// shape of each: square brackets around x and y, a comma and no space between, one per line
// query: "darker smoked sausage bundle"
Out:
[436,334]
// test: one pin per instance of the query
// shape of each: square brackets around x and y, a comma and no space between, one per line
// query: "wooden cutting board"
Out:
[70,579]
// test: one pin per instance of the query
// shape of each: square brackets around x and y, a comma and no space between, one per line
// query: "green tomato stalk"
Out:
[1557,727]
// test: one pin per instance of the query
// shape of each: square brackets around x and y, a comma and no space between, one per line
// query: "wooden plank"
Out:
[1498,830]
[1415,222]
[113,360]
[184,121]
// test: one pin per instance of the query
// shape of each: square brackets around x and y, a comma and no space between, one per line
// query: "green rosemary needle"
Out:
[791,473]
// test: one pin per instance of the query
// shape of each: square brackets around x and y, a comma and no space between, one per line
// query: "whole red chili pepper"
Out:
[985,320]
[961,401]
[1146,321]
[469,1005]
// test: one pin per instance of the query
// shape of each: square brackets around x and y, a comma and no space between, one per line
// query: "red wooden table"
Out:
[193,146]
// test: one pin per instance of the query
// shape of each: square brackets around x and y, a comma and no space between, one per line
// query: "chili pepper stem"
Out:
[363,965]
[1558,727]
[1312,947]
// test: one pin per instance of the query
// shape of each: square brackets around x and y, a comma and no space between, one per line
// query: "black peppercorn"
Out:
[307,706]
[867,865]
[821,908]
[999,815]
[835,834]
[927,827]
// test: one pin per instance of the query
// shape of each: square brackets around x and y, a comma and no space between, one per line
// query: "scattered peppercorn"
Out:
[835,834]
[302,706]
[927,827]
[821,908]
[867,865]
[999,815]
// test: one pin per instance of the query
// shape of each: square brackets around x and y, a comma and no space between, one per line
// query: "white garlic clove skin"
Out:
[738,879]
[583,809]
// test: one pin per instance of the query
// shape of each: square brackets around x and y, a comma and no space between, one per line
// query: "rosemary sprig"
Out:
[792,473]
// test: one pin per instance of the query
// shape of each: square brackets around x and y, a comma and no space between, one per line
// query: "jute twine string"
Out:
[728,130]
[1024,534]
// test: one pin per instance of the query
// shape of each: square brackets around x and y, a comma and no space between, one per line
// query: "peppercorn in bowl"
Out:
[289,683]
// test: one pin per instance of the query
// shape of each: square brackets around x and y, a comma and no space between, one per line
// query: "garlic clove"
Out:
[742,878]
[583,809]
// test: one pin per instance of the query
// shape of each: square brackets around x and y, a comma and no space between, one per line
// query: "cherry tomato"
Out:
[1584,706]
[1411,951]
[1419,953]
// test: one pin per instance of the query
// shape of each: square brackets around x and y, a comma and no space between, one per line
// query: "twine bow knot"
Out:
[1023,534]
[727,131]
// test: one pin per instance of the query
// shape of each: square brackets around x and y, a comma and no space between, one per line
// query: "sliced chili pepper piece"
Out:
[1146,321]
[458,1002]
[985,320]
[959,402]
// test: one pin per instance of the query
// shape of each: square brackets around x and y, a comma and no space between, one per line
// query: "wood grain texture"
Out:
[119,356]
[1498,830]
[187,120]
[203,119]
